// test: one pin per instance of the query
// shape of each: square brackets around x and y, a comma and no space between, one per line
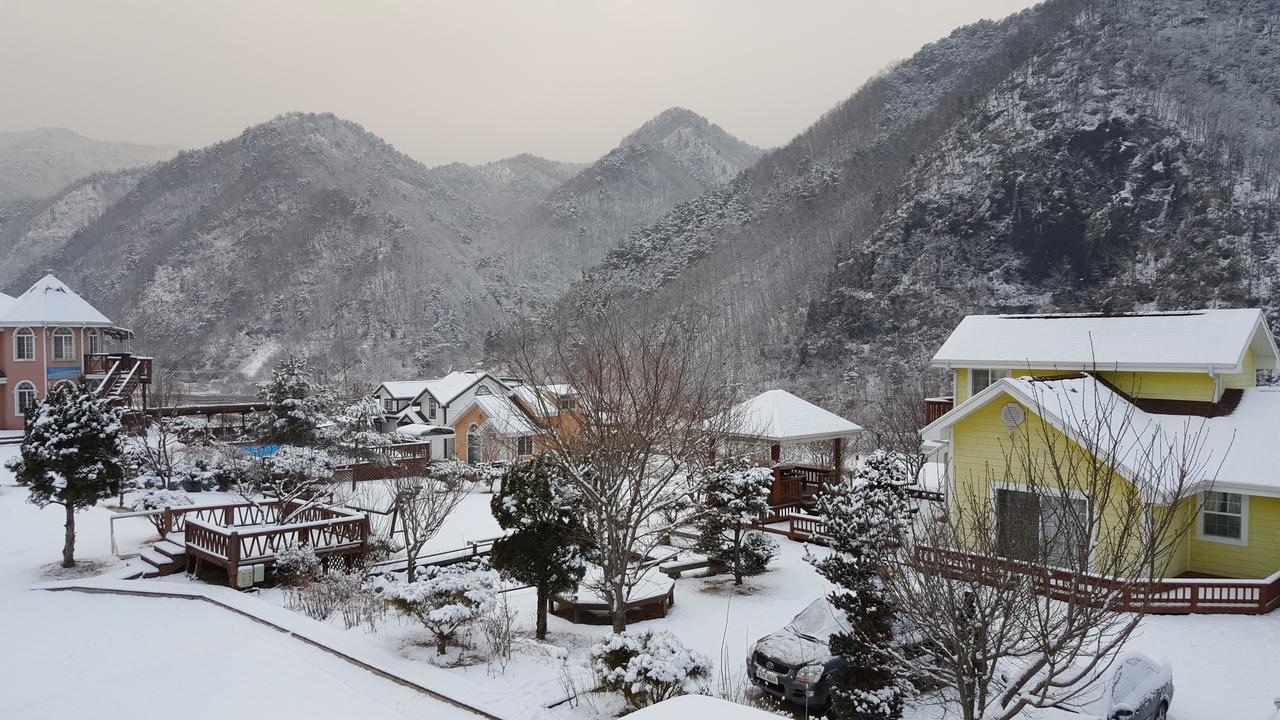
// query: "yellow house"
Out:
[1148,380]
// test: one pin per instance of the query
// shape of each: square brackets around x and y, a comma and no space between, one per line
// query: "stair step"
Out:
[171,549]
[154,558]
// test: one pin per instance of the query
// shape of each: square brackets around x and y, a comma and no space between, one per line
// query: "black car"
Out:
[794,663]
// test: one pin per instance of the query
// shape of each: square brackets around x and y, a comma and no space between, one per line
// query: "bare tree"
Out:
[421,505]
[157,449]
[1046,563]
[644,393]
[296,478]
[896,416]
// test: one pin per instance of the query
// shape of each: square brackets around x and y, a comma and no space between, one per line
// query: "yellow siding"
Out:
[981,446]
[1163,385]
[962,385]
[1247,378]
[1258,559]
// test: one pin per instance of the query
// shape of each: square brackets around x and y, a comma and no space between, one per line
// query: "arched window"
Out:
[483,390]
[64,344]
[92,342]
[24,397]
[24,344]
[475,449]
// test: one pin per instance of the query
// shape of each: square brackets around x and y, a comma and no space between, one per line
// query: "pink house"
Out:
[50,335]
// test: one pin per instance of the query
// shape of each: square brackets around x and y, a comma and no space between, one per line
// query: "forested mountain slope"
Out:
[309,235]
[1077,155]
[38,163]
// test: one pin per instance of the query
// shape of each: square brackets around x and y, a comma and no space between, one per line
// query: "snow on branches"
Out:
[736,494]
[649,667]
[446,599]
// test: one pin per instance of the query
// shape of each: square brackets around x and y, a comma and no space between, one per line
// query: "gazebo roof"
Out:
[778,416]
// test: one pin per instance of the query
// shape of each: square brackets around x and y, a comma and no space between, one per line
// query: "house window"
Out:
[431,408]
[24,344]
[474,449]
[524,445]
[1223,516]
[1041,528]
[483,390]
[93,342]
[388,405]
[982,378]
[24,397]
[64,344]
[450,451]
[568,403]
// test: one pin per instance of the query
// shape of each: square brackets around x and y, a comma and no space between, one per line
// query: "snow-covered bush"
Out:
[446,599]
[155,499]
[328,592]
[650,667]
[300,406]
[296,565]
[190,429]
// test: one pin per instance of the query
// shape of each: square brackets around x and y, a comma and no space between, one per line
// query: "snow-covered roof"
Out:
[49,302]
[424,429]
[402,389]
[1193,340]
[542,399]
[779,416]
[505,417]
[448,388]
[702,707]
[413,414]
[1235,450]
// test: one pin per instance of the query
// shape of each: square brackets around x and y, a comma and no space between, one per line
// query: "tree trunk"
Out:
[442,644]
[69,544]
[540,632]
[619,608]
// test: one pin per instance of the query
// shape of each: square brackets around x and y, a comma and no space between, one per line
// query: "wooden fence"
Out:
[1165,596]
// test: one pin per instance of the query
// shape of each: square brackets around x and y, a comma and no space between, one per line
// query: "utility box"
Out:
[259,572]
[244,576]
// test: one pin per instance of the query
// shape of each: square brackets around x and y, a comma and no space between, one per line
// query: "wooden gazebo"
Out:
[777,418]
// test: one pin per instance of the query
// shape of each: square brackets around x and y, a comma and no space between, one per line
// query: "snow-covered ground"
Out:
[69,654]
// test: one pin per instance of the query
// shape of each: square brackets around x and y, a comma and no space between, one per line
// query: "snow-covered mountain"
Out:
[309,235]
[39,163]
[1077,155]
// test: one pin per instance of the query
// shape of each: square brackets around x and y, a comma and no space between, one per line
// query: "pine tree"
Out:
[71,455]
[299,405]
[865,517]
[736,494]
[545,548]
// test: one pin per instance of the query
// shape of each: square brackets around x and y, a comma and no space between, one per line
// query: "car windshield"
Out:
[817,622]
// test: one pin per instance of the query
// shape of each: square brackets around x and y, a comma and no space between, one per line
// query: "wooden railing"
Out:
[807,528]
[936,407]
[243,514]
[404,451]
[1165,596]
[798,482]
[101,363]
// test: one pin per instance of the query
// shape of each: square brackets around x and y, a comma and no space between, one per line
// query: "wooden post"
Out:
[775,452]
[837,457]
[233,557]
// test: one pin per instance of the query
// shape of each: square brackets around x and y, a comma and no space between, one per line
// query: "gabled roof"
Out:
[1237,446]
[778,416]
[402,389]
[49,302]
[1196,340]
[505,416]
[447,389]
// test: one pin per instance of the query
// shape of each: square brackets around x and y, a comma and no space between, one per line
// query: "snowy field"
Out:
[71,654]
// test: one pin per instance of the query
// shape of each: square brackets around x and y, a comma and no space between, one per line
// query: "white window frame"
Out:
[17,396]
[996,374]
[431,408]
[92,342]
[25,332]
[1071,493]
[62,334]
[1243,540]
[524,445]
[388,405]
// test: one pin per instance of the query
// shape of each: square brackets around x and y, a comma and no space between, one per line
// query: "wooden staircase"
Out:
[166,557]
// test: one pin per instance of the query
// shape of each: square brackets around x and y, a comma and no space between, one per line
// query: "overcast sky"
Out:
[469,80]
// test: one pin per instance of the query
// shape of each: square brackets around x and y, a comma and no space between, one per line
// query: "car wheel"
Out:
[1162,712]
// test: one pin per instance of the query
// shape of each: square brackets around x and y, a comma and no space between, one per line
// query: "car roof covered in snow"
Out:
[701,707]
[779,416]
[49,302]
[1216,340]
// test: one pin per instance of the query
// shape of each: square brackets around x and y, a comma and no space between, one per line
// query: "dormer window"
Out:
[64,345]
[982,378]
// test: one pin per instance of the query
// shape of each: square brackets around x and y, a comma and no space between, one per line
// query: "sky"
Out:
[466,80]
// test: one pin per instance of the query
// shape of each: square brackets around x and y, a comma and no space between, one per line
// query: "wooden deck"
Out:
[240,535]
[1165,596]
